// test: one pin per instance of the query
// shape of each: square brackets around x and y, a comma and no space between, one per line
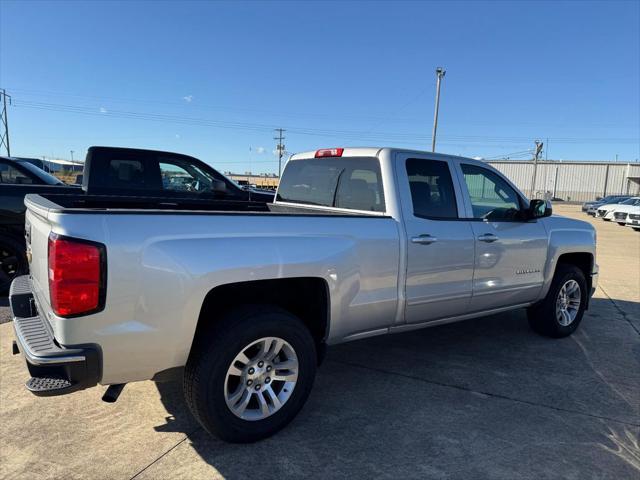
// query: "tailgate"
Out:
[37,230]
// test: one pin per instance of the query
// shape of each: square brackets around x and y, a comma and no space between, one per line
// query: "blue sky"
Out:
[213,79]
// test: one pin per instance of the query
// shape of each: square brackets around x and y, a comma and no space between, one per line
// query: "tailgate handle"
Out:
[425,239]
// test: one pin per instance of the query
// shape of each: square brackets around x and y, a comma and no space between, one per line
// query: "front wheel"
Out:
[561,311]
[251,374]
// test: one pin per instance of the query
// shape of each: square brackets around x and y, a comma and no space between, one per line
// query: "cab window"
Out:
[432,192]
[126,174]
[11,175]
[492,198]
[351,183]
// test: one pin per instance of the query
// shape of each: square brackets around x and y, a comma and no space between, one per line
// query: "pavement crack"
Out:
[488,394]
[162,456]
[620,310]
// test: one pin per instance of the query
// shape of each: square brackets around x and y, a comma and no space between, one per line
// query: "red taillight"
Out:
[329,152]
[75,276]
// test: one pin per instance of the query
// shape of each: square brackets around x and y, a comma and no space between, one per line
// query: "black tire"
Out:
[13,261]
[212,354]
[542,316]
[622,224]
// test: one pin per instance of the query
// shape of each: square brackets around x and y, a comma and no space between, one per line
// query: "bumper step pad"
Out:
[55,369]
[44,386]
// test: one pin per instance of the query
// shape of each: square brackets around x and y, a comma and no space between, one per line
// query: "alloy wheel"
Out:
[261,378]
[568,303]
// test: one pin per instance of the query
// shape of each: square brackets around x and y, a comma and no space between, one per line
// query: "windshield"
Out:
[41,174]
[630,201]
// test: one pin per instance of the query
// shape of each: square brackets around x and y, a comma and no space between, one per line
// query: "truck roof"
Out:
[376,151]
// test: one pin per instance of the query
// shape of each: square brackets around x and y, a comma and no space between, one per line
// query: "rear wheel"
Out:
[622,224]
[561,311]
[249,376]
[13,261]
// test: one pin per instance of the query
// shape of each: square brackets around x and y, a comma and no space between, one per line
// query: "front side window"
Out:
[492,198]
[13,176]
[351,183]
[182,176]
[432,192]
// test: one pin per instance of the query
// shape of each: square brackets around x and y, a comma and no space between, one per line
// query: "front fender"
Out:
[567,236]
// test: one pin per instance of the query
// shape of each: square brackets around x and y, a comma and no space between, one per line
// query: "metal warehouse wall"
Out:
[572,181]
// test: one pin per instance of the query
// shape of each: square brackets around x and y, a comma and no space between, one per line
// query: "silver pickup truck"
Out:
[242,301]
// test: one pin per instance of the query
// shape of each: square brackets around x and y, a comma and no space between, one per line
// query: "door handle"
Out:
[488,237]
[424,239]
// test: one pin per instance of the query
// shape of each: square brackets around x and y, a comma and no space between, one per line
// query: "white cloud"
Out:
[177,135]
[103,110]
[260,150]
[188,98]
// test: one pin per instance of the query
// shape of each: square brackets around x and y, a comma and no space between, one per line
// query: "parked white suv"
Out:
[606,212]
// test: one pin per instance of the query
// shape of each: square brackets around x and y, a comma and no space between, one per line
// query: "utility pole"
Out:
[440,75]
[4,133]
[279,149]
[536,155]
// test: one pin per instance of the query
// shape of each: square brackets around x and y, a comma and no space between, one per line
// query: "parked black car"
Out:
[133,174]
[151,173]
[17,178]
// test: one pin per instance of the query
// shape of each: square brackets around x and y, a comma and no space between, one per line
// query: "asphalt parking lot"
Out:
[485,398]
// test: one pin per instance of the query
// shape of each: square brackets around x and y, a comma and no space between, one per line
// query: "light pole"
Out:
[439,74]
[71,155]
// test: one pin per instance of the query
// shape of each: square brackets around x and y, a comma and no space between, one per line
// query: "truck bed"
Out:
[105,204]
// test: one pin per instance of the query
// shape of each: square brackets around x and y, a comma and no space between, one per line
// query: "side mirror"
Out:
[219,186]
[539,209]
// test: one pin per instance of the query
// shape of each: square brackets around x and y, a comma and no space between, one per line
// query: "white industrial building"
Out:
[571,181]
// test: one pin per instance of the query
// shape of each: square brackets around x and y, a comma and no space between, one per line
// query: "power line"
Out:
[396,137]
[384,116]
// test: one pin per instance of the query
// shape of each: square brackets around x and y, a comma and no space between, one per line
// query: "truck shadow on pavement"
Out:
[476,399]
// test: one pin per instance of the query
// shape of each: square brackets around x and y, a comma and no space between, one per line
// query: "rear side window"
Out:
[126,174]
[431,187]
[351,183]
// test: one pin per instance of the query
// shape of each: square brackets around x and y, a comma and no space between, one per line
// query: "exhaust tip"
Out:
[113,392]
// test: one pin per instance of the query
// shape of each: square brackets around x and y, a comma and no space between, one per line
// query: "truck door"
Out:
[440,244]
[510,251]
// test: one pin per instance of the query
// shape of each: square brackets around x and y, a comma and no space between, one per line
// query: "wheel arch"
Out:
[583,260]
[305,297]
